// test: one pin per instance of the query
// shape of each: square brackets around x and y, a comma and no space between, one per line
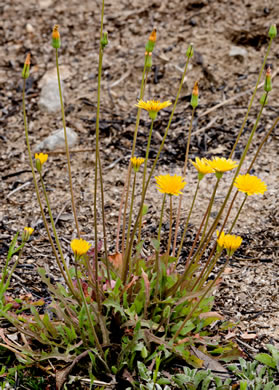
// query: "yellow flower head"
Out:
[228,241]
[42,157]
[250,185]
[221,164]
[137,162]
[27,233]
[80,247]
[171,185]
[202,167]
[153,106]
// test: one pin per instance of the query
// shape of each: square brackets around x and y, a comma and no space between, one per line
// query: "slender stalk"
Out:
[38,194]
[104,220]
[144,174]
[170,231]
[252,99]
[131,213]
[238,213]
[155,162]
[184,173]
[97,156]
[89,316]
[12,270]
[66,145]
[190,314]
[187,222]
[210,207]
[128,178]
[157,265]
[55,232]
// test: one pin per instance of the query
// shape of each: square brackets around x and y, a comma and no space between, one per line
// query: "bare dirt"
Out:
[249,291]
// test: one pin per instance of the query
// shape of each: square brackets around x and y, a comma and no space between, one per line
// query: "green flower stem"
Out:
[104,221]
[7,283]
[201,279]
[66,145]
[189,260]
[184,173]
[89,317]
[55,234]
[238,213]
[97,157]
[190,314]
[170,231]
[128,178]
[130,218]
[187,222]
[157,265]
[144,174]
[130,244]
[252,99]
[38,194]
[210,207]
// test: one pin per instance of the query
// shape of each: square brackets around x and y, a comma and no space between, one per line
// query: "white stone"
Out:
[237,51]
[56,140]
[49,98]
[29,28]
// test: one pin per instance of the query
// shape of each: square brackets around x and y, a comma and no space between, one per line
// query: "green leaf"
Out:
[144,209]
[156,244]
[187,328]
[265,359]
[115,305]
[143,371]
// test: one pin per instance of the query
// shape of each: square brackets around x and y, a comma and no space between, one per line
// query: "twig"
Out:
[19,188]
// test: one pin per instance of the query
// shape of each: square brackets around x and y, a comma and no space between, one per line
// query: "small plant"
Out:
[123,311]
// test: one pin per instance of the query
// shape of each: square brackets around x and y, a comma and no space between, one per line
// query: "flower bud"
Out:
[27,233]
[26,67]
[263,99]
[148,59]
[195,95]
[56,42]
[167,312]
[190,51]
[151,41]
[267,83]
[104,40]
[272,31]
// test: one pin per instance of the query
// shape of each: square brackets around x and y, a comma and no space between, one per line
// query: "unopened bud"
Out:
[267,83]
[104,40]
[263,99]
[166,312]
[151,41]
[26,67]
[190,51]
[56,42]
[195,95]
[148,59]
[41,158]
[272,31]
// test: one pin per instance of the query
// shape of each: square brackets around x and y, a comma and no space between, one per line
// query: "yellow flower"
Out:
[40,160]
[250,185]
[42,157]
[80,247]
[27,233]
[153,106]
[202,167]
[221,164]
[137,162]
[171,185]
[228,241]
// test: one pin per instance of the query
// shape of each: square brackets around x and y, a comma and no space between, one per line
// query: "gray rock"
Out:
[49,98]
[237,51]
[56,140]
